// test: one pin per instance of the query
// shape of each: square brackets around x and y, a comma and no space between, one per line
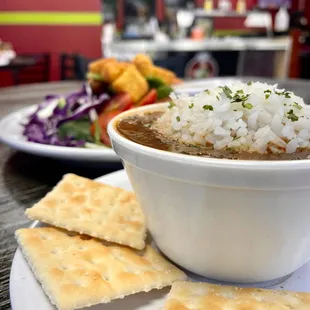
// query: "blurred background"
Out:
[54,40]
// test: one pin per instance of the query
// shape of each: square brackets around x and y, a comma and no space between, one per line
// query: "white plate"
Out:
[11,132]
[26,292]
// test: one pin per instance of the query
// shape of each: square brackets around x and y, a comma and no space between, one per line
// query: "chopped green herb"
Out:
[235,110]
[207,91]
[227,91]
[240,91]
[238,98]
[297,106]
[285,104]
[218,97]
[208,107]
[191,106]
[292,116]
[267,93]
[287,94]
[249,83]
[61,102]
[178,118]
[247,105]
[171,105]
[236,138]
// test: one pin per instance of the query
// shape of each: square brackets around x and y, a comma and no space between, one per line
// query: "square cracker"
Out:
[88,207]
[203,296]
[78,271]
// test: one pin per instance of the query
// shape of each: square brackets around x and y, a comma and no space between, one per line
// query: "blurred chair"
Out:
[73,66]
[37,73]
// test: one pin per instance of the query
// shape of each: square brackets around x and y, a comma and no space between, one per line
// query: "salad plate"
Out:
[11,133]
[26,293]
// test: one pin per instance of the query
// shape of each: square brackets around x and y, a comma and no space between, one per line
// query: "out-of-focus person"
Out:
[7,53]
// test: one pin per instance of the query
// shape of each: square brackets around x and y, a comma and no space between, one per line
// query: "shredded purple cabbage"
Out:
[42,125]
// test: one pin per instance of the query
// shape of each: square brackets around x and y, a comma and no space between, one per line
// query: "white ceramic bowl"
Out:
[230,220]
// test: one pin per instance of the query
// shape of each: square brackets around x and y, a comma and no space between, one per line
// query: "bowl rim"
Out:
[196,160]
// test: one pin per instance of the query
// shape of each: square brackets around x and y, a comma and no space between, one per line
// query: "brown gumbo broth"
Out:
[137,129]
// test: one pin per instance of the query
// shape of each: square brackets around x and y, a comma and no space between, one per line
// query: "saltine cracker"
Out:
[89,207]
[78,271]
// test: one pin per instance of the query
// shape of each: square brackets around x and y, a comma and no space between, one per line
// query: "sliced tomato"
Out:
[120,102]
[105,139]
[149,98]
[103,120]
[113,107]
[105,117]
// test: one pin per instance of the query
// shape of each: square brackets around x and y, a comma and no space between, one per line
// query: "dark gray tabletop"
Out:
[24,179]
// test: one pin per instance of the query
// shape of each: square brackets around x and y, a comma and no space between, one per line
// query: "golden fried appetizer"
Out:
[96,66]
[142,59]
[112,70]
[146,67]
[132,82]
[156,72]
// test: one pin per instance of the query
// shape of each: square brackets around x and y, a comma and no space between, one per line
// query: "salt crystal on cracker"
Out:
[203,296]
[88,207]
[78,271]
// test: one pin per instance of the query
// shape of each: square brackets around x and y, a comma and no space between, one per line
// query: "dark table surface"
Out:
[24,179]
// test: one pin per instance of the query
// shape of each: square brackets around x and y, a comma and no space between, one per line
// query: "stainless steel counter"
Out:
[212,44]
[281,47]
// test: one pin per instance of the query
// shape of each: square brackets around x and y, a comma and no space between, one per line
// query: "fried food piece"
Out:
[147,68]
[112,70]
[165,75]
[142,59]
[132,82]
[96,66]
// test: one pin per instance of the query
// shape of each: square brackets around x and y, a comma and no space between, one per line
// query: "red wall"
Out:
[52,39]
[47,5]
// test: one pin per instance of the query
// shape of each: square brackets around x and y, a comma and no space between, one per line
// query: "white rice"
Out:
[253,117]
